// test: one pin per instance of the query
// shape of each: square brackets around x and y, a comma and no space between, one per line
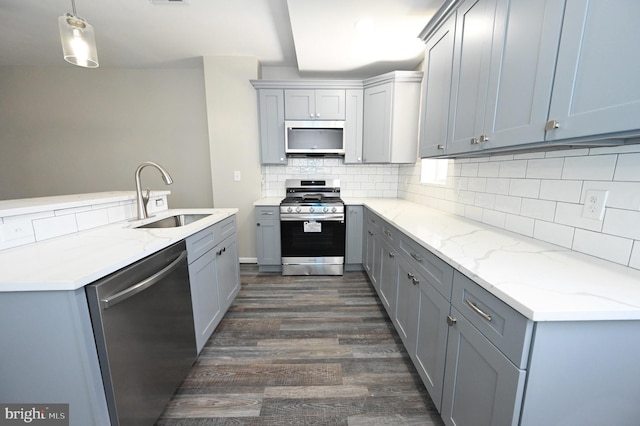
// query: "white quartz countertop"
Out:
[544,282]
[72,261]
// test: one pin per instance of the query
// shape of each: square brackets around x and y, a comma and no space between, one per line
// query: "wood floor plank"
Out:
[303,350]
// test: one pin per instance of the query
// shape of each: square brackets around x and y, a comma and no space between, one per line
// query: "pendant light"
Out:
[78,40]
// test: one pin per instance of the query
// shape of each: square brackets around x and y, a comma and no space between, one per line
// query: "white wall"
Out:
[232,111]
[67,130]
[541,195]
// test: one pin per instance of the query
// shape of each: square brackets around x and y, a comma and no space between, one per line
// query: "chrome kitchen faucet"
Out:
[142,200]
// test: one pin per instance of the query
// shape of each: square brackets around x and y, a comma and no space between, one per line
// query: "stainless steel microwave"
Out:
[314,138]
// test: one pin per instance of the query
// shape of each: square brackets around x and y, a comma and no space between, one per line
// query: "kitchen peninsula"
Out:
[49,348]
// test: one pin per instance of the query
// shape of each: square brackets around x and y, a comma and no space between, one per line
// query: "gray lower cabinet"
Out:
[485,364]
[372,252]
[355,228]
[268,238]
[214,275]
[482,387]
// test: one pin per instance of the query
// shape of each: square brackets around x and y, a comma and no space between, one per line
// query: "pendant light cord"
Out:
[73,7]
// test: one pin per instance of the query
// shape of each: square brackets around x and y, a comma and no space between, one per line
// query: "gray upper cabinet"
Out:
[597,89]
[503,73]
[474,35]
[354,113]
[310,104]
[271,119]
[436,85]
[391,105]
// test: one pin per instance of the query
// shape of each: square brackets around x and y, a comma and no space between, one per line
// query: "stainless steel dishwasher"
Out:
[143,325]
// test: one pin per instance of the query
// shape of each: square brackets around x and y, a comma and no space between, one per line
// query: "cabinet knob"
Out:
[451,320]
[410,275]
[440,147]
[415,281]
[484,138]
[392,255]
[551,125]
[474,141]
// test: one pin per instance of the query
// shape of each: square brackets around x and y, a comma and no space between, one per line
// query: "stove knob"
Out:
[326,209]
[298,209]
[311,209]
[289,209]
[333,209]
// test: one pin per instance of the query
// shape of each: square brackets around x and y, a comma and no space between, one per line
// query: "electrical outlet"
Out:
[594,204]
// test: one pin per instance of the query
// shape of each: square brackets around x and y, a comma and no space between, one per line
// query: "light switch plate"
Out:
[236,176]
[594,204]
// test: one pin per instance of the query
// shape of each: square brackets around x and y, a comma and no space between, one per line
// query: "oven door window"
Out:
[321,239]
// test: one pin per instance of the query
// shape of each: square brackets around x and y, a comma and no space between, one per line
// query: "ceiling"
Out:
[316,36]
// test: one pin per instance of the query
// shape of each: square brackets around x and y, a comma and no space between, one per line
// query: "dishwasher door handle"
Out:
[142,285]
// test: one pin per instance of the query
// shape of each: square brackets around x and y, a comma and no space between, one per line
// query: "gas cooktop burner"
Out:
[314,196]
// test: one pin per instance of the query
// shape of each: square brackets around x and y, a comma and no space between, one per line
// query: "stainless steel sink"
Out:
[174,221]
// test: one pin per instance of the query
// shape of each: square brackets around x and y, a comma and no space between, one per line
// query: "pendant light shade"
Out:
[78,40]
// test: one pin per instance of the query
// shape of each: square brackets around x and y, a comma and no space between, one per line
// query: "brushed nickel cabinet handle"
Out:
[474,141]
[440,147]
[484,138]
[451,320]
[551,125]
[478,310]
[416,257]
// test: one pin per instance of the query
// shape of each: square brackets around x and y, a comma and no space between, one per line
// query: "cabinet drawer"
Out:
[200,243]
[374,221]
[267,213]
[203,241]
[506,328]
[436,271]
[390,234]
[225,228]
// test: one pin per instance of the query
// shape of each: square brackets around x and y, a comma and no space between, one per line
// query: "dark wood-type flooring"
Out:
[303,351]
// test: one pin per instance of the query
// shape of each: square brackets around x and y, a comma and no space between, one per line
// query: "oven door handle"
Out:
[318,218]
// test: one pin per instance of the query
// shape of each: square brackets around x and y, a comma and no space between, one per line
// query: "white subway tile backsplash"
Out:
[597,167]
[513,169]
[634,262]
[561,190]
[538,209]
[608,247]
[494,218]
[529,188]
[488,169]
[508,204]
[545,168]
[628,168]
[92,219]
[54,226]
[519,224]
[498,186]
[623,223]
[622,195]
[553,233]
[469,169]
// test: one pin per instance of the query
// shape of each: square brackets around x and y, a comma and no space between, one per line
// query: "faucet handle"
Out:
[145,197]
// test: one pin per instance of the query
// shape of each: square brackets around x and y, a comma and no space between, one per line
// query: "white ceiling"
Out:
[316,36]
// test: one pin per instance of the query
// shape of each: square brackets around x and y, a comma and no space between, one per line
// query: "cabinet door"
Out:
[407,309]
[268,236]
[271,117]
[436,86]
[372,257]
[474,35]
[482,387]
[388,277]
[228,270]
[431,341]
[354,115]
[596,89]
[523,60]
[204,296]
[377,123]
[300,104]
[354,235]
[330,104]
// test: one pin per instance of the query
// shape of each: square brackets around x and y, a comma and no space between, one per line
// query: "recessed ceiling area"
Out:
[314,36]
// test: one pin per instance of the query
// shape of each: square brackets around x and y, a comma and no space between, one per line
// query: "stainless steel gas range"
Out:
[312,228]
